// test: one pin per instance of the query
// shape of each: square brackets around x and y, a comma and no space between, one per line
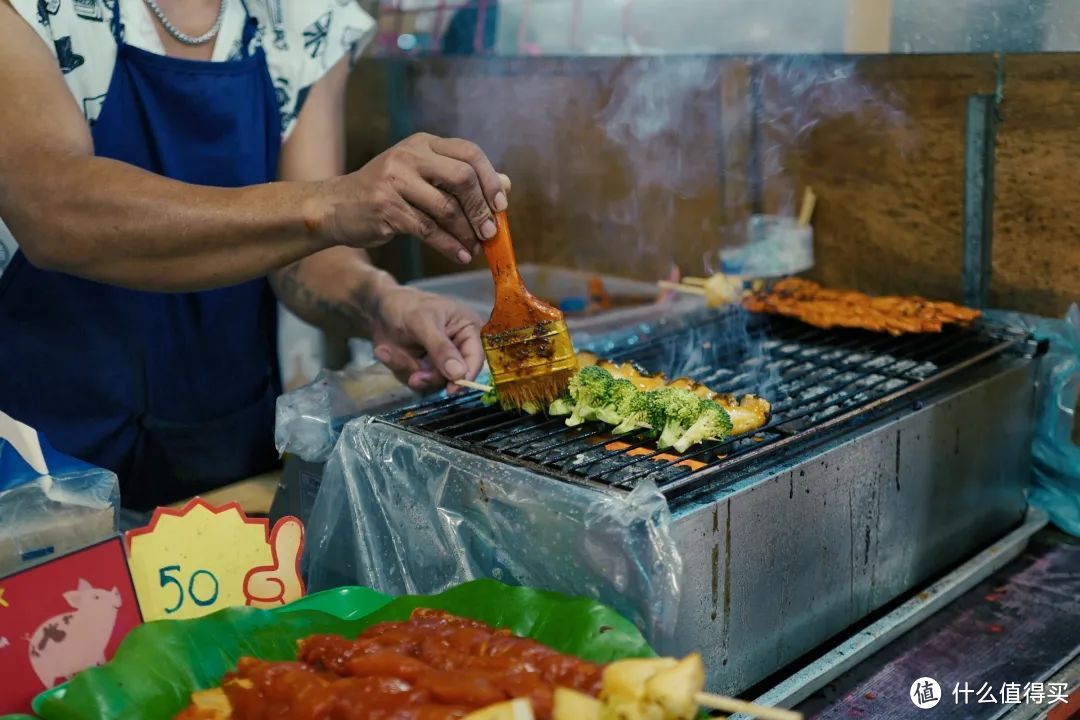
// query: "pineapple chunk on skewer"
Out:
[625,679]
[652,688]
[674,689]
[573,705]
[518,709]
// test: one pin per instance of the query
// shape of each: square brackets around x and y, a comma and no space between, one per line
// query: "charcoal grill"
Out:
[816,380]
[886,460]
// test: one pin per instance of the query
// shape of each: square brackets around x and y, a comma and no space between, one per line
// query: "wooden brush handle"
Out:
[515,307]
[500,256]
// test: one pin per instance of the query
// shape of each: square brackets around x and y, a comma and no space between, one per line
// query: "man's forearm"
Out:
[112,222]
[337,290]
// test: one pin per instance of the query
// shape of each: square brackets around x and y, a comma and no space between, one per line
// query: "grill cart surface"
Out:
[886,461]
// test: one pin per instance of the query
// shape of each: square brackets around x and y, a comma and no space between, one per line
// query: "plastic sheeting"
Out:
[309,419]
[1056,471]
[1057,457]
[402,513]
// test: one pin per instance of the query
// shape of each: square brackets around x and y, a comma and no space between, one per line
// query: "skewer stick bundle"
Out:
[717,290]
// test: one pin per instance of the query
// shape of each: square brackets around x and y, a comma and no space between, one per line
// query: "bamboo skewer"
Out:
[680,287]
[734,705]
[807,211]
[695,281]
[473,385]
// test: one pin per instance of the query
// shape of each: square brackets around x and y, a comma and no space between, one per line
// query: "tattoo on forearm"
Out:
[356,317]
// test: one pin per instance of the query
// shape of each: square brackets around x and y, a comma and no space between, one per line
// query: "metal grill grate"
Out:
[815,380]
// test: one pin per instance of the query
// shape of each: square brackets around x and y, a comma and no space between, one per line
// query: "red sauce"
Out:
[436,666]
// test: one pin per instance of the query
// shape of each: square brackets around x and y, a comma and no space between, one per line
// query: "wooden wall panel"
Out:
[880,139]
[621,165]
[886,160]
[1036,251]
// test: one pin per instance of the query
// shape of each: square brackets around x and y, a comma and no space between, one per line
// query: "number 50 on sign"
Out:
[191,562]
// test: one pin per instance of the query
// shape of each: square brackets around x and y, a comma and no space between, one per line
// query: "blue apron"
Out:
[174,392]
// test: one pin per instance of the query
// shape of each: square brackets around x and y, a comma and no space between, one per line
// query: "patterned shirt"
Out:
[302,39]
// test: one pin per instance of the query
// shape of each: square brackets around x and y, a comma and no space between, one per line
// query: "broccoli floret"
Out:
[531,407]
[589,389]
[563,405]
[619,396]
[713,423]
[489,398]
[644,409]
[589,383]
[681,410]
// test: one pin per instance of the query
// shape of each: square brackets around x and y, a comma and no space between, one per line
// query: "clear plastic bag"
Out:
[1056,457]
[50,503]
[309,419]
[402,513]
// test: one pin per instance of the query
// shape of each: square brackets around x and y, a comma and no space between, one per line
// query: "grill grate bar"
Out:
[814,378]
[773,427]
[841,404]
[681,484]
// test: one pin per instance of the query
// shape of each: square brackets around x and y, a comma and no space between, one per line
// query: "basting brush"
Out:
[526,341]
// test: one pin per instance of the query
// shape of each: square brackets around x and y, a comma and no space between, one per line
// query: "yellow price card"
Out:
[191,562]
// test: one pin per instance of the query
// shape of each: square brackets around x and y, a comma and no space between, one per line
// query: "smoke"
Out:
[728,133]
[790,99]
[793,96]
[660,123]
[653,98]
[644,161]
[729,350]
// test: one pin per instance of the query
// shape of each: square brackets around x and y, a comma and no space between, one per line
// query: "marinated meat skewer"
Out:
[825,308]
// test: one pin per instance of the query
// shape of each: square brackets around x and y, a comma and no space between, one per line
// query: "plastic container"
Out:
[776,246]
[50,504]
[566,288]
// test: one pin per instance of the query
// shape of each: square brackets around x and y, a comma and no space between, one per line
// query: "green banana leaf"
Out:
[159,664]
[572,625]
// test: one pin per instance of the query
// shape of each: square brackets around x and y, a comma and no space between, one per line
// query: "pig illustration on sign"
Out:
[73,641]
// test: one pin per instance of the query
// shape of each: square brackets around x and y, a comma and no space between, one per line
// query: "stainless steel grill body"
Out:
[790,555]
[887,461]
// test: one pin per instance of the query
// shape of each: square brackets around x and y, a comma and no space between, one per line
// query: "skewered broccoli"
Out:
[589,389]
[676,417]
[619,396]
[713,423]
[562,405]
[681,409]
[491,397]
[645,409]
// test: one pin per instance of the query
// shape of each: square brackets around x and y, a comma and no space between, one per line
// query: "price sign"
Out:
[190,562]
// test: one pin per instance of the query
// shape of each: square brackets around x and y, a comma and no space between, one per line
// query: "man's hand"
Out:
[427,340]
[443,191]
[415,334]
